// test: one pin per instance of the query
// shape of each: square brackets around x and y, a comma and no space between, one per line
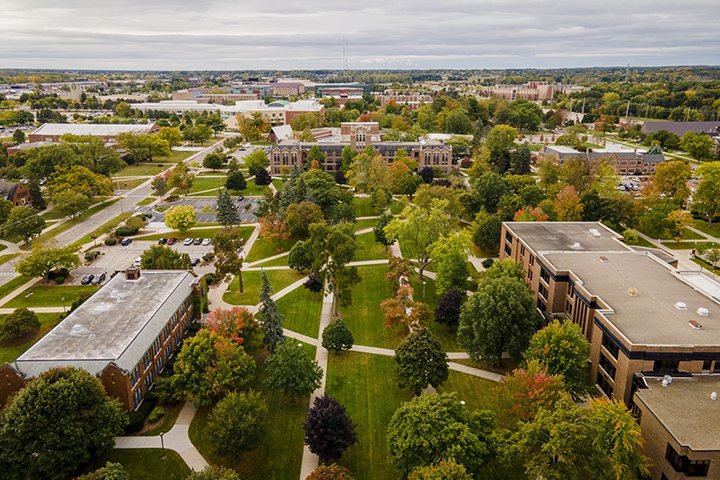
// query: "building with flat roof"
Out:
[681,128]
[51,132]
[627,162]
[124,334]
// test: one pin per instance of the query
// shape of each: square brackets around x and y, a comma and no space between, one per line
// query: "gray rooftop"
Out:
[686,409]
[96,129]
[650,317]
[117,324]
[561,236]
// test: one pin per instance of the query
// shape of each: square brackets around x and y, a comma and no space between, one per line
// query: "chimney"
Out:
[132,273]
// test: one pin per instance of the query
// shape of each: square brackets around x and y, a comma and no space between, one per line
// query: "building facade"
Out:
[51,132]
[626,162]
[15,192]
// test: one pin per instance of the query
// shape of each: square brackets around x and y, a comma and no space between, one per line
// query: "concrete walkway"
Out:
[18,291]
[177,439]
[5,311]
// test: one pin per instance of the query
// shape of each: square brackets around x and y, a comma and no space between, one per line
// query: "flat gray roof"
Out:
[98,129]
[561,236]
[685,409]
[650,318]
[117,324]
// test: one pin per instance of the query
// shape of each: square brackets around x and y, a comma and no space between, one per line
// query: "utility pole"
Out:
[687,114]
[627,110]
[582,112]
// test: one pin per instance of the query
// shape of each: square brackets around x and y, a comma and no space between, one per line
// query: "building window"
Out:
[666,367]
[530,275]
[522,250]
[545,275]
[610,345]
[532,260]
[607,366]
[543,291]
[508,250]
[604,385]
[707,364]
[716,367]
[680,463]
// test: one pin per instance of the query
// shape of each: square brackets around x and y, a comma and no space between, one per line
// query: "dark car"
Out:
[87,279]
[125,242]
[98,279]
[195,262]
[197,241]
[240,198]
[162,241]
[171,241]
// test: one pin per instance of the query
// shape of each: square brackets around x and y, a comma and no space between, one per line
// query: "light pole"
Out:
[424,282]
[162,444]
[94,237]
[63,303]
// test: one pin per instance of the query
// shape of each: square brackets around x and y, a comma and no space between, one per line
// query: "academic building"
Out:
[627,162]
[654,332]
[124,335]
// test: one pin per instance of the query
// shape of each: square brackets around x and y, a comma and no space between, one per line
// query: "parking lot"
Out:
[246,209]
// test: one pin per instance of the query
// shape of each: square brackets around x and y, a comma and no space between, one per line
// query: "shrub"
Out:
[91,255]
[126,231]
[110,241]
[208,257]
[210,278]
[59,280]
[137,420]
[487,263]
[156,414]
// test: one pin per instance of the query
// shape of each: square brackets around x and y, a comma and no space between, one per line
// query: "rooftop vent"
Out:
[667,380]
[132,273]
[576,246]
[703,312]
[632,291]
[604,259]
[695,325]
[78,330]
[713,396]
[595,232]
[681,306]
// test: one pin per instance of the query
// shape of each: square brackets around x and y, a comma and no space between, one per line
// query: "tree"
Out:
[568,206]
[678,220]
[24,222]
[337,337]
[160,257]
[299,217]
[235,424]
[521,114]
[430,428]
[561,349]
[402,310]
[448,307]
[180,177]
[380,199]
[70,203]
[300,257]
[699,146]
[487,191]
[210,366]
[427,174]
[143,147]
[671,179]
[315,157]
[379,229]
[457,121]
[227,211]
[213,161]
[81,180]
[181,217]
[368,172]
[235,181]
[228,245]
[291,370]
[110,471]
[123,109]
[272,319]
[328,430]
[18,136]
[60,421]
[256,160]
[420,361]
[450,262]
[707,196]
[18,323]
[487,232]
[443,470]
[330,472]
[213,472]
[237,324]
[6,207]
[42,260]
[171,135]
[262,177]
[500,317]
[159,185]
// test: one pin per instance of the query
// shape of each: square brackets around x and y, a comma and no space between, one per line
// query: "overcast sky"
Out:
[308,34]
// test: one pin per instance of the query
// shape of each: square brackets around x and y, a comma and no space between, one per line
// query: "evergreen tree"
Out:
[235,181]
[272,319]
[227,211]
[263,177]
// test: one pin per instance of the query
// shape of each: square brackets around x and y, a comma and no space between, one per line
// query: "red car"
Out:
[171,241]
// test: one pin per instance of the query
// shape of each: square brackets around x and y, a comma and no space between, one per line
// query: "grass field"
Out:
[365,384]
[301,308]
[707,266]
[366,223]
[140,170]
[145,201]
[712,230]
[104,228]
[253,189]
[13,285]
[147,463]
[128,184]
[263,249]
[6,257]
[207,183]
[10,351]
[369,248]
[175,156]
[53,214]
[279,279]
[278,183]
[397,206]
[278,262]
[687,245]
[50,295]
[477,393]
[363,207]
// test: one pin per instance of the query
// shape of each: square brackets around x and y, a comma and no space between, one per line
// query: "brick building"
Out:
[124,334]
[627,162]
[51,132]
[15,192]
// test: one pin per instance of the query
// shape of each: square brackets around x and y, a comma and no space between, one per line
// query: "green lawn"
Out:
[706,266]
[702,225]
[365,384]
[367,223]
[254,190]
[147,463]
[145,201]
[6,257]
[172,410]
[140,170]
[397,206]
[687,245]
[369,248]
[687,235]
[207,183]
[195,233]
[477,393]
[643,243]
[174,157]
[128,184]
[9,351]
[364,317]
[13,285]
[263,249]
[53,214]
[279,279]
[50,295]
[301,308]
[278,183]
[363,207]
[278,262]
[104,228]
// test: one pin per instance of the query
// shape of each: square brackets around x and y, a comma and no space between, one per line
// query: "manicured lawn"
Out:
[164,425]
[369,248]
[278,183]
[278,262]
[702,225]
[365,384]
[447,338]
[9,351]
[5,258]
[301,308]
[194,233]
[147,463]
[363,207]
[128,184]
[707,266]
[279,279]
[687,235]
[174,157]
[687,245]
[207,183]
[53,214]
[140,170]
[364,317]
[254,190]
[145,201]
[477,392]
[643,243]
[105,228]
[408,250]
[263,249]
[50,295]
[13,285]
[397,206]
[367,223]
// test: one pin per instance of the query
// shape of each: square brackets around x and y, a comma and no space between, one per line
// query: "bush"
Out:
[487,263]
[91,255]
[210,278]
[208,257]
[60,280]
[126,231]
[110,241]
[136,423]
[156,414]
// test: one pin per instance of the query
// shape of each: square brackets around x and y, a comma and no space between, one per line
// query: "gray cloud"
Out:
[290,34]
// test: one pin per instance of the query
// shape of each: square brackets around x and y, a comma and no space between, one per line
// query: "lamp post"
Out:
[424,282]
[94,237]
[63,303]
[162,444]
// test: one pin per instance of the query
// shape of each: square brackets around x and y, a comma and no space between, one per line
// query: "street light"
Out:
[63,303]
[162,444]
[424,282]
[94,237]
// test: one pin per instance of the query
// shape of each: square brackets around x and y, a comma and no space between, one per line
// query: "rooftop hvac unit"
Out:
[595,232]
[681,306]
[703,312]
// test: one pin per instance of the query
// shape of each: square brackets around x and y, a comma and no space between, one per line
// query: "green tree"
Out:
[299,217]
[380,199]
[6,207]
[369,171]
[331,472]
[430,428]
[292,371]
[24,222]
[699,146]
[110,471]
[671,179]
[123,109]
[235,181]
[160,257]
[561,349]
[213,161]
[328,430]
[379,229]
[707,196]
[487,190]
[487,232]
[94,153]
[255,160]
[262,177]
[228,245]
[43,259]
[181,217]
[18,136]
[18,323]
[500,317]
[300,257]
[210,366]
[521,114]
[235,424]
[143,147]
[420,361]
[213,472]
[315,157]
[443,470]
[227,211]
[159,185]
[171,135]
[450,260]
[59,422]
[457,121]
[79,179]
[70,203]
[272,319]
[180,177]
[337,337]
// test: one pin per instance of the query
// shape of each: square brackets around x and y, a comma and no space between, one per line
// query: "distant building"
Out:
[124,335]
[281,132]
[11,151]
[533,91]
[51,132]
[627,162]
[681,128]
[15,192]
[413,101]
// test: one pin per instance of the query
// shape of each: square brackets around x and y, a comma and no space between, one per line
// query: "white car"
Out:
[188,241]
[137,262]
[206,242]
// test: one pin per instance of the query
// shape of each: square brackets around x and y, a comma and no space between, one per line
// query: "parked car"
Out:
[240,198]
[171,241]
[195,262]
[188,241]
[206,242]
[162,241]
[137,262]
[86,279]
[197,241]
[98,279]
[228,157]
[125,242]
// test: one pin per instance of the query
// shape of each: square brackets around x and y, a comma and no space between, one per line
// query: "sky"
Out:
[379,34]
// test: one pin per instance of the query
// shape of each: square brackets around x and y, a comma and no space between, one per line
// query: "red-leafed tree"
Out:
[237,324]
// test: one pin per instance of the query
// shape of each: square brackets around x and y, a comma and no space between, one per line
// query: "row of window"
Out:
[681,463]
